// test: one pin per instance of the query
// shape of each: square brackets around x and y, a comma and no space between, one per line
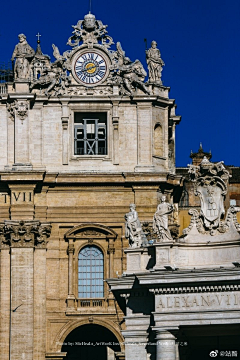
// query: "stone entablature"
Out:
[30,117]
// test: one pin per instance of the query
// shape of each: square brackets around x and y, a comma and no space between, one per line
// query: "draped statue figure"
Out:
[133,229]
[155,63]
[160,220]
[23,54]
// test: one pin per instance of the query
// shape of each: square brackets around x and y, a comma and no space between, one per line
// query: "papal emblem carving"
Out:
[210,184]
[211,196]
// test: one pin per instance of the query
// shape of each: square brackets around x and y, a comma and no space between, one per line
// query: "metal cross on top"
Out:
[38,36]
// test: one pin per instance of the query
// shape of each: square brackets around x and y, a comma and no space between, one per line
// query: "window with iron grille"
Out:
[90,133]
[90,273]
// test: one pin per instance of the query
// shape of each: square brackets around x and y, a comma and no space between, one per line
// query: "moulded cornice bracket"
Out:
[21,96]
[176,119]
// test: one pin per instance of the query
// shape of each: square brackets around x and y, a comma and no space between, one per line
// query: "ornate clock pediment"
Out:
[88,64]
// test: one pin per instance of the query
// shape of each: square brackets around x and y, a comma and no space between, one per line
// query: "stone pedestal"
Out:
[137,259]
[22,87]
[135,344]
[166,346]
[163,254]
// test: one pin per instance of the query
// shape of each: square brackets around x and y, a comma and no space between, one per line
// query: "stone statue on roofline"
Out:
[155,64]
[133,229]
[160,220]
[23,53]
[123,76]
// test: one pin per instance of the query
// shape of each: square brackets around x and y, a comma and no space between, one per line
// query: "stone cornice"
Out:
[195,289]
[180,281]
[188,275]
[25,176]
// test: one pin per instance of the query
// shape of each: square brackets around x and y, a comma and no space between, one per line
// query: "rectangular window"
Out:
[90,133]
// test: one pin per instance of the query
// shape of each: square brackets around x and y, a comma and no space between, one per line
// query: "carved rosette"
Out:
[24,234]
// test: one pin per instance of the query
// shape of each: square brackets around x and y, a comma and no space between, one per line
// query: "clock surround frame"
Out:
[97,51]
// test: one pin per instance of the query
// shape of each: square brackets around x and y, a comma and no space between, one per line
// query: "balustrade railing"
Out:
[90,303]
[3,88]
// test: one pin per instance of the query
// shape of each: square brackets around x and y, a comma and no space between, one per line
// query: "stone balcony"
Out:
[101,305]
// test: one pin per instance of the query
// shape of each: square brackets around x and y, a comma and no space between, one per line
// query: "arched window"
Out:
[90,273]
[184,201]
[158,141]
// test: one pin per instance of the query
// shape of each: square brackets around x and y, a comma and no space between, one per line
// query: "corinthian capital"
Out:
[24,233]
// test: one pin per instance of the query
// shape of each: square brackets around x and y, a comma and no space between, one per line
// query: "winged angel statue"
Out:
[131,74]
[55,73]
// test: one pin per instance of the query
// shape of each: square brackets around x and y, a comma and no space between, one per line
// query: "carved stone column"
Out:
[5,295]
[40,291]
[115,122]
[21,141]
[144,137]
[166,346]
[26,241]
[136,335]
[135,344]
[65,120]
[71,297]
[111,251]
[36,120]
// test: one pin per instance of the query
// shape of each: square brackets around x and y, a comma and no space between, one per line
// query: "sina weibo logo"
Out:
[214,353]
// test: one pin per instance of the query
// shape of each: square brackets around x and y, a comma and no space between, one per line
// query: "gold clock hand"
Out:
[89,68]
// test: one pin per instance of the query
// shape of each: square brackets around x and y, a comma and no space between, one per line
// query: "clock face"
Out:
[90,68]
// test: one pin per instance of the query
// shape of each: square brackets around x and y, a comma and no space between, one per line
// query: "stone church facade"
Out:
[82,138]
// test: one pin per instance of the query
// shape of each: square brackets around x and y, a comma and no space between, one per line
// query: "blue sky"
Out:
[199,43]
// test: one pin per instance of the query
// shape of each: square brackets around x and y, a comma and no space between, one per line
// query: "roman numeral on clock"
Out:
[101,73]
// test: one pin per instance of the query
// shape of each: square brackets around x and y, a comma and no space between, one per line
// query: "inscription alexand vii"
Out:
[197,302]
